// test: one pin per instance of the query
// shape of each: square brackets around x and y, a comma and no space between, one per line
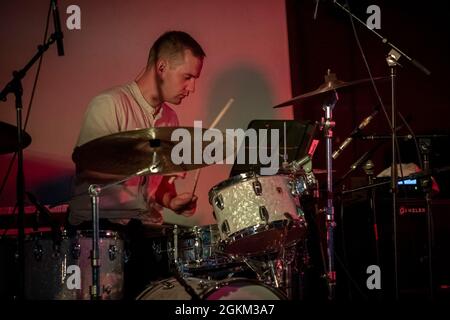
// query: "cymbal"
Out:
[130,152]
[331,83]
[8,141]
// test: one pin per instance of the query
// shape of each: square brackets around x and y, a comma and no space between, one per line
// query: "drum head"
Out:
[229,289]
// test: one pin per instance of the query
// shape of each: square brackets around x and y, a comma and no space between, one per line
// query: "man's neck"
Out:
[148,86]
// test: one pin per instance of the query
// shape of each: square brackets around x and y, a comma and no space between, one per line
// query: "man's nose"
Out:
[191,86]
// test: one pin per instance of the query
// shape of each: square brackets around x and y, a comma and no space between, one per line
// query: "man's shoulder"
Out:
[114,92]
[110,98]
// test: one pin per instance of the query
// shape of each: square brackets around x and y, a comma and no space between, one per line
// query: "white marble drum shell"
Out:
[237,205]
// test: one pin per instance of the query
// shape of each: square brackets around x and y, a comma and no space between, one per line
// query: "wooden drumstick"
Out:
[214,123]
[220,115]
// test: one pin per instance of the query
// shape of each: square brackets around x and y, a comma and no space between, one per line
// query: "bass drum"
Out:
[229,289]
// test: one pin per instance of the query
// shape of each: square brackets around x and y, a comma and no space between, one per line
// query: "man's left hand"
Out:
[184,203]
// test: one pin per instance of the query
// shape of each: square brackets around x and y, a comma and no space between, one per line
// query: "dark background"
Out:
[328,42]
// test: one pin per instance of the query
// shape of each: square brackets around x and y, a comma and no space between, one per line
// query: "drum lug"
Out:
[225,227]
[264,214]
[156,248]
[112,252]
[107,289]
[126,255]
[203,285]
[76,250]
[257,187]
[290,220]
[38,251]
[218,200]
[167,285]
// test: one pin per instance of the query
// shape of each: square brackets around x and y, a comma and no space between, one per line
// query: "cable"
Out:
[419,155]
[363,55]
[368,70]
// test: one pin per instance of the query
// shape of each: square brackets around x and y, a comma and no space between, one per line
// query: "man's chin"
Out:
[177,101]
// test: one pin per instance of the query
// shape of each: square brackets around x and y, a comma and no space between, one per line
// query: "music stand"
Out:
[299,136]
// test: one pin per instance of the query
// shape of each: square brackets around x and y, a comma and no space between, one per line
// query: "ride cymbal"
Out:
[331,83]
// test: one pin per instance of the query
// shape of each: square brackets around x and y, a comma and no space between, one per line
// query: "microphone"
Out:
[58,35]
[356,131]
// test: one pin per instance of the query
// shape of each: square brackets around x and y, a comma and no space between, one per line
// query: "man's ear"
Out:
[161,66]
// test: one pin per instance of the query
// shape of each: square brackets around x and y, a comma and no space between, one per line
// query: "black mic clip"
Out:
[57,35]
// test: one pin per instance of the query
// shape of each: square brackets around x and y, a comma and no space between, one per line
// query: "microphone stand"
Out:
[392,60]
[425,148]
[15,86]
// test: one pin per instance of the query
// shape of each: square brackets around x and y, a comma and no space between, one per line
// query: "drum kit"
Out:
[260,225]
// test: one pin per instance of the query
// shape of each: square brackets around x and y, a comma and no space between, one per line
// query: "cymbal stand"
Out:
[327,125]
[94,192]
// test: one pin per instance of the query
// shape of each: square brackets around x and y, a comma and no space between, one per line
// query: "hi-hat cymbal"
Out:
[8,140]
[331,83]
[129,152]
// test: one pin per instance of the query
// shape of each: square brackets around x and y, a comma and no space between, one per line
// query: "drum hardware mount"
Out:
[327,125]
[112,252]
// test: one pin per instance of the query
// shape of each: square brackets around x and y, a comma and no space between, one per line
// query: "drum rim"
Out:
[242,177]
[45,235]
[104,234]
[221,283]
[153,285]
[199,229]
[256,229]
[213,286]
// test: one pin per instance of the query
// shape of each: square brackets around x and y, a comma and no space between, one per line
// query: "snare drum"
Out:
[256,214]
[62,271]
[229,289]
[196,250]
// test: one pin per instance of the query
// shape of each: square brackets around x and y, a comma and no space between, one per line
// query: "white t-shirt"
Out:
[120,109]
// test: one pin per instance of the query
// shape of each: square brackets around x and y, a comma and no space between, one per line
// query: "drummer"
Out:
[174,64]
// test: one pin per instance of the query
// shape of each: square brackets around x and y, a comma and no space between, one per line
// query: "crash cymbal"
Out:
[8,138]
[331,83]
[129,152]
